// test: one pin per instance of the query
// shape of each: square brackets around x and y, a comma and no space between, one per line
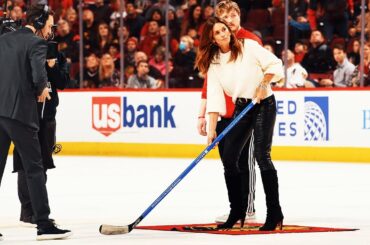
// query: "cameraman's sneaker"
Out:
[249,218]
[52,233]
[1,237]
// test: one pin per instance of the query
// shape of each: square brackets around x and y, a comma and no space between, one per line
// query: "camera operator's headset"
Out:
[40,21]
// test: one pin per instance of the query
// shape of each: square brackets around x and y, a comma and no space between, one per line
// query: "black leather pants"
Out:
[261,118]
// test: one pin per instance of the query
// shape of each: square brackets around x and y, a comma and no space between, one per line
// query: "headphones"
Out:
[40,21]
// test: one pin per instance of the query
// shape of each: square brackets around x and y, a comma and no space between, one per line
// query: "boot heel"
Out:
[232,219]
[271,224]
[280,225]
[242,220]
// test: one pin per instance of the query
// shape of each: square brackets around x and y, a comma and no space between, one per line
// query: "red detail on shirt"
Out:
[244,34]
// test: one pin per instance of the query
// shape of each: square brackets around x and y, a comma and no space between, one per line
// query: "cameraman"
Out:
[24,83]
[58,77]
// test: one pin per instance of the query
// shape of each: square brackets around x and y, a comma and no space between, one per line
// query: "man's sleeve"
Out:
[37,57]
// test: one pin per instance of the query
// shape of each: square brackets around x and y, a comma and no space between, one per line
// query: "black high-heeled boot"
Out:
[234,217]
[274,216]
[235,186]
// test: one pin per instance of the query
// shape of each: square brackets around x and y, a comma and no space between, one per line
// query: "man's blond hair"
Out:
[226,6]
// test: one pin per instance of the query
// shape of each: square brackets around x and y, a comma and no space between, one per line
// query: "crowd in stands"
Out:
[324,40]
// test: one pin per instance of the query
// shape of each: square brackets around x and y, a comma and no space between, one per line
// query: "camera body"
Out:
[52,52]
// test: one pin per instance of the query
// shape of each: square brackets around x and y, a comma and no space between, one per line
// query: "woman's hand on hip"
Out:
[261,93]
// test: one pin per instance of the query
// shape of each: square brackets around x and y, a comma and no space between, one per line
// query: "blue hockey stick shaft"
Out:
[109,230]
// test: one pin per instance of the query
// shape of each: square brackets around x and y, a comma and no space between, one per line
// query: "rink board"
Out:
[315,125]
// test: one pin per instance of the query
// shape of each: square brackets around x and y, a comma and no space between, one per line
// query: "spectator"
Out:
[131,48]
[194,35]
[113,50]
[298,22]
[183,74]
[142,6]
[161,5]
[353,52]
[16,13]
[208,12]
[297,8]
[71,18]
[156,16]
[89,30]
[300,49]
[153,72]
[367,23]
[193,20]
[116,14]
[91,72]
[134,21]
[66,40]
[141,79]
[158,61]
[108,75]
[330,16]
[344,73]
[352,32]
[174,24]
[173,45]
[125,34]
[58,5]
[104,39]
[102,11]
[319,58]
[150,41]
[296,74]
[367,64]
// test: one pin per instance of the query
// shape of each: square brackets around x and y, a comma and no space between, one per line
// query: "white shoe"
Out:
[1,237]
[249,218]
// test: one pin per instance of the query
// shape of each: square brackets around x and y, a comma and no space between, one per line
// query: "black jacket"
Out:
[319,60]
[59,78]
[22,75]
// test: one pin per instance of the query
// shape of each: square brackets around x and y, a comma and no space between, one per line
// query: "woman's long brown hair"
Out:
[208,50]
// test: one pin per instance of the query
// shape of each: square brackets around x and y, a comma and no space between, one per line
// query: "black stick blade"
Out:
[114,230]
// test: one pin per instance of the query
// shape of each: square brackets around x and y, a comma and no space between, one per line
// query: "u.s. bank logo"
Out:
[109,114]
[316,119]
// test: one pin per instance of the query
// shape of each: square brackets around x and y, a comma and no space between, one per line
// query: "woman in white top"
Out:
[243,70]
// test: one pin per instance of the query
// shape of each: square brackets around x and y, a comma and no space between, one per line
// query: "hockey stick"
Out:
[115,230]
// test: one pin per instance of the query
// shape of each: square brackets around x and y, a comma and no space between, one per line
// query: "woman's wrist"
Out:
[262,85]
[200,117]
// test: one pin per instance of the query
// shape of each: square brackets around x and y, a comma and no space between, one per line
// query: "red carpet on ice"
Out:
[248,229]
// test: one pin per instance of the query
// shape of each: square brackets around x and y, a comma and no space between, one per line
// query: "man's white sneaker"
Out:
[249,218]
[1,237]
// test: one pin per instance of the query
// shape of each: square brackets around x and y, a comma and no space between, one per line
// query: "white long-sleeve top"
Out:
[240,79]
